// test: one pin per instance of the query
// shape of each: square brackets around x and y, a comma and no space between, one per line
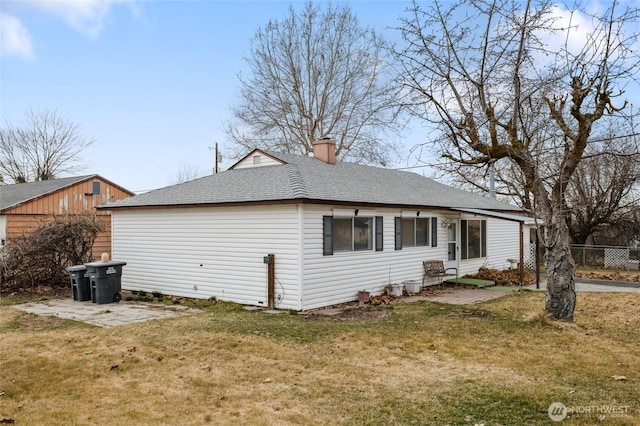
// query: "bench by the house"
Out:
[435,269]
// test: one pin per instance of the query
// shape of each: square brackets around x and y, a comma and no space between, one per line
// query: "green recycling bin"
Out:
[80,288]
[105,281]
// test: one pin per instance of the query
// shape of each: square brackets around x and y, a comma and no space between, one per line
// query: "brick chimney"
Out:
[325,150]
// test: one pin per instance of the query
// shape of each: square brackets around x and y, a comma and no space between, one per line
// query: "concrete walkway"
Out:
[107,315]
[467,296]
[459,296]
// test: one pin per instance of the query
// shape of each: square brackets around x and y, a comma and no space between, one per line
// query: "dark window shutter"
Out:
[379,241]
[434,232]
[327,235]
[463,239]
[398,230]
[483,238]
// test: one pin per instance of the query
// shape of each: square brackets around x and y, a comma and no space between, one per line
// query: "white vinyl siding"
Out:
[218,252]
[258,159]
[503,242]
[336,279]
[210,252]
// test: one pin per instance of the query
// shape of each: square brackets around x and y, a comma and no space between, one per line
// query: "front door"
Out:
[452,244]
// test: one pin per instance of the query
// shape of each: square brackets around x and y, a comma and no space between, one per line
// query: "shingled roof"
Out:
[19,193]
[301,178]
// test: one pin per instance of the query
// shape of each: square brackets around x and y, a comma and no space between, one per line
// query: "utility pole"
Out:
[217,158]
[215,168]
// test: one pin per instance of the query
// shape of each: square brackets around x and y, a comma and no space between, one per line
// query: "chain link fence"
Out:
[598,257]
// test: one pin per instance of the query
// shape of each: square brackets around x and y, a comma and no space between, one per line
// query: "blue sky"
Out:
[152,82]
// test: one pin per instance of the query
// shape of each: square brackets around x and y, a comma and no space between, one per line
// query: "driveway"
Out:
[599,286]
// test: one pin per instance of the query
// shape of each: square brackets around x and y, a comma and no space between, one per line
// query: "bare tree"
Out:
[491,77]
[186,173]
[41,148]
[601,192]
[317,74]
[600,196]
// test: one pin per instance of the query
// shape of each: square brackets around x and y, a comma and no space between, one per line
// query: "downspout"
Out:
[300,208]
[521,263]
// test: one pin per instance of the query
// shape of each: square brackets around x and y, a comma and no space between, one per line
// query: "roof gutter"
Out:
[496,215]
[487,213]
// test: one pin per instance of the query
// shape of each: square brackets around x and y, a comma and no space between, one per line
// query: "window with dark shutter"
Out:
[463,239]
[327,235]
[483,238]
[379,241]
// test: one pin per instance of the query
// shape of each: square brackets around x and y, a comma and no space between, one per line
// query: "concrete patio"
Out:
[104,315]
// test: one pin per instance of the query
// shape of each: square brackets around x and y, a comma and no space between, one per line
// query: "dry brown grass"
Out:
[419,363]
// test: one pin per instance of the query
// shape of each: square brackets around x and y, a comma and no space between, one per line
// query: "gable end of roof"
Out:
[15,195]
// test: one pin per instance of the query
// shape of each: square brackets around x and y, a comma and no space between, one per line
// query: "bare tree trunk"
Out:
[560,300]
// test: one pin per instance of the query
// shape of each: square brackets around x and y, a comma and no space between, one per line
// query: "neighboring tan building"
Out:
[25,205]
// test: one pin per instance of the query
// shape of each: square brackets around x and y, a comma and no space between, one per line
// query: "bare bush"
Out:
[41,256]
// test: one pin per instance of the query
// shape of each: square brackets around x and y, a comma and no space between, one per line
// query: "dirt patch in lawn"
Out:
[471,314]
[39,322]
[356,313]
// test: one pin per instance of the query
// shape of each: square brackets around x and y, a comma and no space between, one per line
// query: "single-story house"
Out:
[24,205]
[333,228]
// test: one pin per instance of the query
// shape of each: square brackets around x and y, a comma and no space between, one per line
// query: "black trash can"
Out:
[80,287]
[105,281]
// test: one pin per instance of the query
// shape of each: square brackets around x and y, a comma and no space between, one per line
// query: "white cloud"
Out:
[14,38]
[577,28]
[85,16]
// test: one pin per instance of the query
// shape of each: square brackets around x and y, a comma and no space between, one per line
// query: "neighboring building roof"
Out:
[302,178]
[20,193]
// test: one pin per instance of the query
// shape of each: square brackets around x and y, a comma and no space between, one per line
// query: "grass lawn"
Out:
[498,362]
